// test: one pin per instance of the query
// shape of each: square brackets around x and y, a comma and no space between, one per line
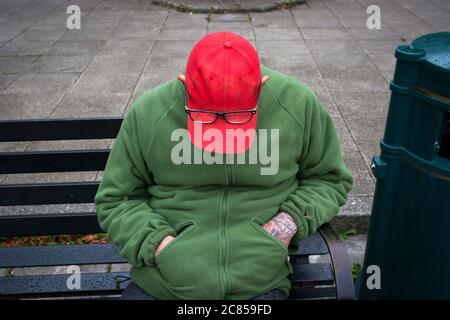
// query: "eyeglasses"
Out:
[232,117]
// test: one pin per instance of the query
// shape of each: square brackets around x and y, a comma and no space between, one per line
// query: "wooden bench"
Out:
[309,280]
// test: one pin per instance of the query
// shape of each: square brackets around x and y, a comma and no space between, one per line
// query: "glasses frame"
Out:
[220,114]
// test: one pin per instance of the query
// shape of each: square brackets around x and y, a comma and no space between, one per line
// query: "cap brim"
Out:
[234,138]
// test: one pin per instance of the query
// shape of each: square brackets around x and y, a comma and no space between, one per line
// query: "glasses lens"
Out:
[203,117]
[238,117]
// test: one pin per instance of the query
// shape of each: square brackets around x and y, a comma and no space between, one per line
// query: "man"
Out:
[216,175]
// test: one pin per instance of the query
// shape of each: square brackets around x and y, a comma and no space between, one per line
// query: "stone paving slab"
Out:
[127,47]
[28,105]
[61,64]
[96,105]
[75,48]
[16,65]
[40,82]
[49,177]
[52,209]
[273,20]
[108,82]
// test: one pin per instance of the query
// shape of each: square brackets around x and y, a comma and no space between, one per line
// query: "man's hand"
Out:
[282,226]
[164,242]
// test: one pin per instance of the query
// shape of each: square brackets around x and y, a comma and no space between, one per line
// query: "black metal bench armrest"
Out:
[341,263]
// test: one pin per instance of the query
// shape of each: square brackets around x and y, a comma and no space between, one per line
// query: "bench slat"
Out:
[94,283]
[53,161]
[47,193]
[59,255]
[312,274]
[86,223]
[59,129]
[51,285]
[313,245]
[49,224]
[312,293]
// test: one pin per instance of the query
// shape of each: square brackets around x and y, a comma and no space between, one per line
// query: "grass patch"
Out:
[349,233]
[356,269]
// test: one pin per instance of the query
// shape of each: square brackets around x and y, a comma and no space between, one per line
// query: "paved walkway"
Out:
[127,47]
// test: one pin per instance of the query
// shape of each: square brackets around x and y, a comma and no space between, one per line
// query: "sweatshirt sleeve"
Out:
[323,179]
[122,201]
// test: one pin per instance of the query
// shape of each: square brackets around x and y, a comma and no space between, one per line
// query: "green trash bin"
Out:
[408,245]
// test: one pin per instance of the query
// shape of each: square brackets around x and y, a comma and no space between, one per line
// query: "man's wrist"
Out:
[286,219]
[282,226]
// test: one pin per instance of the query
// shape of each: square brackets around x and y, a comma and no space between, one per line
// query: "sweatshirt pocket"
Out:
[258,260]
[257,224]
[181,231]
[183,265]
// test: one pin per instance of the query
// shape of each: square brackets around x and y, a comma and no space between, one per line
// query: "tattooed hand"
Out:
[282,226]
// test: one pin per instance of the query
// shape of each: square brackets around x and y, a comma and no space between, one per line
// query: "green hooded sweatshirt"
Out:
[216,210]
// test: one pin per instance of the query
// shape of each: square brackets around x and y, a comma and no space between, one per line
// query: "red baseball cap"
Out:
[223,74]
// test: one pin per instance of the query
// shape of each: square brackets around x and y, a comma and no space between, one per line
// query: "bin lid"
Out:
[432,52]
[437,49]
